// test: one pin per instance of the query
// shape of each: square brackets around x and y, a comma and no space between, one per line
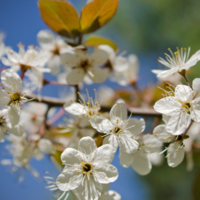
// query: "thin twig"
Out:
[54,102]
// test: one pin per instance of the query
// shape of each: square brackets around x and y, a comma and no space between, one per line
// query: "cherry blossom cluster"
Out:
[83,145]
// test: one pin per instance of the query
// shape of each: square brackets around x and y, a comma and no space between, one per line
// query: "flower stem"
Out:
[183,73]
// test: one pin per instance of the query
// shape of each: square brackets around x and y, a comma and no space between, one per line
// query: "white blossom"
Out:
[89,166]
[25,60]
[32,117]
[83,64]
[12,92]
[55,46]
[182,105]
[90,108]
[119,130]
[177,62]
[78,127]
[9,122]
[140,161]
[175,150]
[124,70]
[22,151]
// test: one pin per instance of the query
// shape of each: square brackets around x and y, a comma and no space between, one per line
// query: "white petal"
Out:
[178,123]
[165,118]
[137,126]
[167,105]
[54,64]
[92,190]
[11,81]
[70,59]
[69,180]
[4,98]
[126,159]
[70,156]
[13,116]
[38,75]
[104,154]
[165,73]
[196,86]
[6,62]
[105,173]
[75,76]
[195,112]
[161,134]
[46,39]
[98,57]
[87,145]
[45,146]
[118,112]
[13,56]
[105,187]
[101,124]
[110,195]
[74,108]
[183,93]
[18,130]
[175,155]
[112,140]
[151,144]
[96,74]
[127,143]
[141,163]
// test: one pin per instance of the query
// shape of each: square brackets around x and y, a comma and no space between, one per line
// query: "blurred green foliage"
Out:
[158,24]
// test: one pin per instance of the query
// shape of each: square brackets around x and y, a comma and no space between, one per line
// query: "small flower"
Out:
[83,64]
[55,46]
[175,151]
[119,130]
[90,108]
[32,116]
[177,62]
[89,166]
[123,69]
[9,119]
[140,160]
[12,92]
[22,150]
[78,127]
[182,104]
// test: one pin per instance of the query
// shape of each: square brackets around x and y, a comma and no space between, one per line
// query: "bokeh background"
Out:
[143,27]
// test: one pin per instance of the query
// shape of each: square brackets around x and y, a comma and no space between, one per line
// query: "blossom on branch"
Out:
[88,166]
[11,94]
[177,62]
[84,65]
[182,104]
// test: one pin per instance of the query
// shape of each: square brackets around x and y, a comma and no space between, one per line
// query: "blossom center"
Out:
[117,130]
[85,65]
[186,107]
[15,97]
[24,67]
[86,167]
[56,51]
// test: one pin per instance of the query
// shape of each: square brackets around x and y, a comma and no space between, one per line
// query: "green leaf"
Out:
[60,16]
[96,14]
[97,40]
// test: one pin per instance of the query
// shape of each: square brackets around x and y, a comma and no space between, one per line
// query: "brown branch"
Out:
[55,102]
